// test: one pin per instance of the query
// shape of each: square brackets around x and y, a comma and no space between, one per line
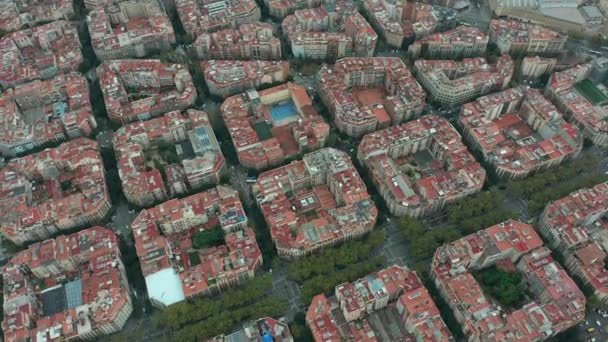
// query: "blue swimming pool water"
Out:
[283,111]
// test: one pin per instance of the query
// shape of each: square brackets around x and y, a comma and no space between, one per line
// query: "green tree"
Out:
[299,329]
[506,287]
[208,238]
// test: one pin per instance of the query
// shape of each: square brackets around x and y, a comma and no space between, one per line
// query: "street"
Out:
[598,322]
[288,291]
[395,248]
[121,220]
[306,81]
[476,16]
[237,178]
[104,138]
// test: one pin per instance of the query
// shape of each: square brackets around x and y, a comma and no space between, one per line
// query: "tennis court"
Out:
[263,130]
[591,92]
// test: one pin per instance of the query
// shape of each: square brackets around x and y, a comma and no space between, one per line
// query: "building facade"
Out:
[72,287]
[519,132]
[129,29]
[314,203]
[451,83]
[394,95]
[52,191]
[558,304]
[411,187]
[253,40]
[461,42]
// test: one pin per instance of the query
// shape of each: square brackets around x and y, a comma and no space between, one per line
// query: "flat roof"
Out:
[572,15]
[263,130]
[53,301]
[73,294]
[165,287]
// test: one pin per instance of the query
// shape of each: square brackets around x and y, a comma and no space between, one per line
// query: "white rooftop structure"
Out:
[165,287]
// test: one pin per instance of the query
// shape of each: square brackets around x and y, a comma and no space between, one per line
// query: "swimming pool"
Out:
[283,112]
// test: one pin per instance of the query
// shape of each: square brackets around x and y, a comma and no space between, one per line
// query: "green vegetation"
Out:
[172,56]
[194,258]
[299,330]
[66,185]
[322,272]
[134,334]
[444,309]
[461,218]
[594,303]
[487,207]
[160,155]
[570,335]
[553,184]
[308,68]
[492,51]
[199,82]
[327,282]
[227,320]
[208,238]
[208,317]
[331,259]
[167,151]
[160,166]
[136,97]
[591,92]
[506,287]
[478,211]
[2,299]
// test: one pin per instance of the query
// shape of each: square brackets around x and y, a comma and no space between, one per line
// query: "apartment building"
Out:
[401,22]
[314,203]
[44,113]
[253,40]
[451,83]
[519,132]
[579,103]
[330,32]
[421,166]
[461,42]
[263,329]
[367,94]
[72,287]
[225,78]
[282,8]
[18,14]
[518,38]
[347,314]
[557,304]
[190,157]
[206,16]
[52,191]
[268,126]
[129,29]
[140,89]
[174,268]
[533,68]
[575,225]
[42,52]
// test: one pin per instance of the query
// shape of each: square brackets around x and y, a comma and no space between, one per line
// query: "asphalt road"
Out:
[476,16]
[287,290]
[395,248]
[121,219]
[596,321]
